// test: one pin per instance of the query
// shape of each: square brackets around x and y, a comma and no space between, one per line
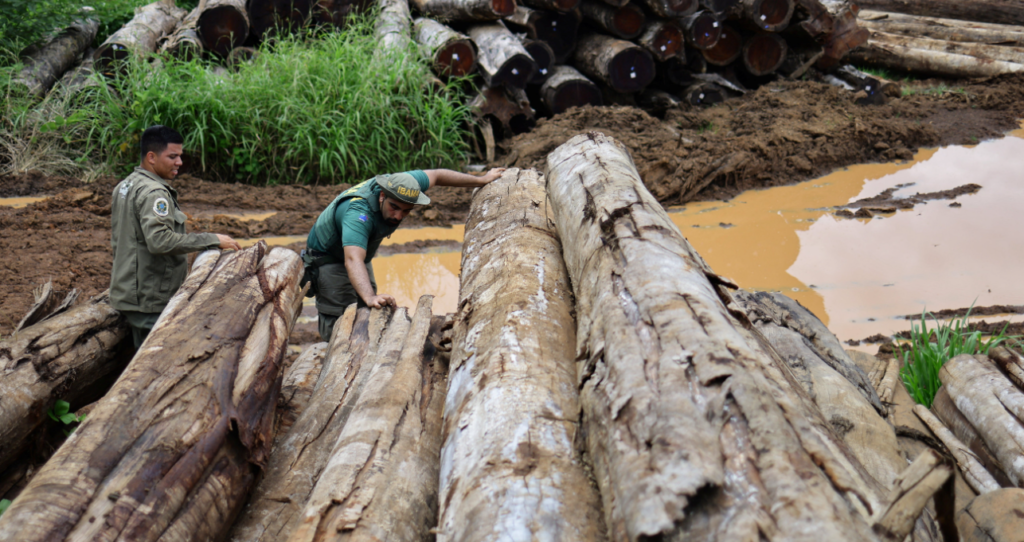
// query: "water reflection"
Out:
[408,276]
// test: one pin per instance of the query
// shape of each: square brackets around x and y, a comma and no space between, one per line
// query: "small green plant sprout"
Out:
[929,349]
[4,505]
[61,412]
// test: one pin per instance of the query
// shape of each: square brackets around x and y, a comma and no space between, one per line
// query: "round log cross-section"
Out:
[558,30]
[223,25]
[566,88]
[672,8]
[625,22]
[542,54]
[451,53]
[702,29]
[763,53]
[704,94]
[623,65]
[770,15]
[503,59]
[727,49]
[663,39]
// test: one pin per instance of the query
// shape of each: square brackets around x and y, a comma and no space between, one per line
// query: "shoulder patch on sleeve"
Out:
[160,207]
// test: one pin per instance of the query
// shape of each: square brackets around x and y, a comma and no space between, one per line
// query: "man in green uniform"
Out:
[347,234]
[148,234]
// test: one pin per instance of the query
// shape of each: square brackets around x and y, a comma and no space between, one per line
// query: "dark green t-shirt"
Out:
[360,221]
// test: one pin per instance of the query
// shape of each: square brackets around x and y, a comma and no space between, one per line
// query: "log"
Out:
[561,6]
[1011,363]
[381,480]
[675,74]
[695,429]
[270,17]
[46,304]
[992,405]
[704,93]
[768,15]
[906,59]
[993,517]
[942,29]
[763,53]
[542,54]
[450,53]
[297,386]
[45,65]
[914,488]
[558,30]
[980,480]
[657,102]
[241,55]
[139,36]
[185,42]
[702,29]
[981,51]
[508,109]
[68,357]
[626,22]
[502,59]
[169,453]
[465,10]
[394,37]
[223,25]
[727,49]
[670,9]
[509,465]
[663,39]
[336,13]
[844,34]
[1010,12]
[623,66]
[80,78]
[947,412]
[567,88]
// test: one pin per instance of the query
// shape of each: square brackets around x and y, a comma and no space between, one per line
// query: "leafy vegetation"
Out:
[4,505]
[929,349]
[61,412]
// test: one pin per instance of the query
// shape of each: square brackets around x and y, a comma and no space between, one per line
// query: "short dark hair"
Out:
[156,138]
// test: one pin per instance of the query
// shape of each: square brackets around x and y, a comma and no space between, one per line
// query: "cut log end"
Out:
[567,88]
[704,31]
[771,15]
[705,94]
[628,21]
[728,48]
[455,59]
[664,40]
[515,73]
[543,56]
[763,53]
[503,8]
[631,70]
[222,29]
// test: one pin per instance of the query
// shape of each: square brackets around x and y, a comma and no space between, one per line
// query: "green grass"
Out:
[929,349]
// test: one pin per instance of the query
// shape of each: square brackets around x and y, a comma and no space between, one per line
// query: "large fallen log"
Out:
[68,357]
[502,59]
[696,430]
[663,39]
[702,29]
[223,25]
[139,36]
[509,465]
[267,17]
[947,412]
[986,11]
[566,88]
[982,51]
[763,53]
[727,49]
[393,31]
[942,29]
[558,30]
[622,65]
[906,59]
[625,22]
[184,42]
[974,472]
[450,53]
[298,385]
[169,453]
[45,65]
[381,480]
[465,10]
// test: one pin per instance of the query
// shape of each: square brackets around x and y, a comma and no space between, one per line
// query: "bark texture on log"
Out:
[267,17]
[298,384]
[914,487]
[1010,362]
[980,480]
[728,48]
[394,37]
[566,87]
[45,66]
[702,29]
[509,466]
[451,54]
[223,25]
[625,22]
[623,66]
[695,429]
[763,53]
[558,30]
[981,51]
[46,304]
[942,29]
[169,452]
[381,480]
[465,10]
[994,517]
[948,413]
[903,58]
[508,107]
[185,42]
[502,58]
[140,35]
[1009,12]
[59,358]
[663,39]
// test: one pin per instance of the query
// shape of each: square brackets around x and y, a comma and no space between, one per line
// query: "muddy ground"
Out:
[780,134]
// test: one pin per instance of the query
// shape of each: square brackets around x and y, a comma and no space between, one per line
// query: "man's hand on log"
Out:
[381,300]
[491,175]
[227,243]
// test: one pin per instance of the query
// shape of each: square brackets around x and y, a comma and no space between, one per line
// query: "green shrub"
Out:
[24,22]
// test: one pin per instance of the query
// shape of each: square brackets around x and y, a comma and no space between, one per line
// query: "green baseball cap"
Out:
[403,187]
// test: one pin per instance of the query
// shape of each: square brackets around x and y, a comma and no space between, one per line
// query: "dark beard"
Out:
[392,221]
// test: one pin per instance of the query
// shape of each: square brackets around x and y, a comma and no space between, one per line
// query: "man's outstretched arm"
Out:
[360,278]
[447,177]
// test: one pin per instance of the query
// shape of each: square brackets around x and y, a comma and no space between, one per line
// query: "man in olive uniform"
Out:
[347,234]
[148,234]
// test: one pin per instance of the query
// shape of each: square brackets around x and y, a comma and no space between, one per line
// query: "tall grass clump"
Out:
[929,349]
[308,109]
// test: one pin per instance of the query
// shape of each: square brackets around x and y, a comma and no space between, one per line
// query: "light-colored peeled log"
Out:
[1010,362]
[502,59]
[695,430]
[223,25]
[1010,12]
[947,412]
[381,480]
[769,15]
[1004,53]
[993,517]
[904,58]
[270,16]
[509,466]
[728,48]
[702,29]
[663,39]
[300,456]
[992,404]
[140,35]
[169,453]
[184,41]
[622,65]
[625,22]
[974,472]
[565,88]
[913,489]
[465,10]
[672,8]
[393,31]
[558,30]
[298,384]
[46,65]
[450,53]
[561,6]
[942,29]
[763,53]
[58,358]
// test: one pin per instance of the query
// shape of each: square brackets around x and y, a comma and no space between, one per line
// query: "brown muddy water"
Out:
[20,202]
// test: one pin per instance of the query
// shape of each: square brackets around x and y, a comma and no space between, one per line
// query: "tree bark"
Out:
[381,480]
[1011,363]
[184,42]
[267,17]
[626,22]
[981,51]
[169,452]
[47,303]
[502,59]
[542,54]
[451,54]
[663,39]
[763,53]
[702,29]
[509,466]
[65,357]
[567,88]
[671,9]
[992,405]
[942,29]
[394,38]
[923,61]
[297,386]
[832,24]
[223,25]
[768,15]
[946,411]
[623,66]
[561,6]
[974,472]
[139,36]
[696,430]
[913,489]
[986,11]
[508,107]
[727,49]
[558,30]
[45,66]
[465,10]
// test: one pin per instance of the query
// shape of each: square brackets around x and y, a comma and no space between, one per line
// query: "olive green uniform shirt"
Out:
[149,241]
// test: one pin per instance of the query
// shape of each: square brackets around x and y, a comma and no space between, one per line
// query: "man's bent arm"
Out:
[357,274]
[447,177]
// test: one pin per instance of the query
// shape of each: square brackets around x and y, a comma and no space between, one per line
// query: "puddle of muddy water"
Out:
[857,275]
[20,202]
